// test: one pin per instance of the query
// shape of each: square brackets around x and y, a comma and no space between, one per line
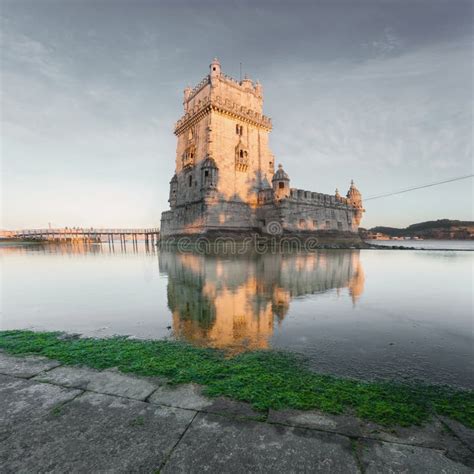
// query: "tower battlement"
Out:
[241,99]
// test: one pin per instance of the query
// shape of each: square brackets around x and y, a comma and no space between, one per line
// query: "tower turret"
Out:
[215,70]
[354,199]
[186,94]
[173,191]
[246,83]
[281,183]
[209,172]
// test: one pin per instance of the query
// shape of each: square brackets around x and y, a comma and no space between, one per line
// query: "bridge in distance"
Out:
[86,234]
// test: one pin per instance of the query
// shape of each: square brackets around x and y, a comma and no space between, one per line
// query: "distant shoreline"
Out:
[420,245]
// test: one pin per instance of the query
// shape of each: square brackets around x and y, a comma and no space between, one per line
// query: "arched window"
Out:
[281,185]
[241,153]
[237,129]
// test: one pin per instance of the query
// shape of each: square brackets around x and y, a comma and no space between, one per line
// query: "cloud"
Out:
[91,94]
[407,110]
[388,44]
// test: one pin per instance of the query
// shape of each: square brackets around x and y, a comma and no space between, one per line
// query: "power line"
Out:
[419,187]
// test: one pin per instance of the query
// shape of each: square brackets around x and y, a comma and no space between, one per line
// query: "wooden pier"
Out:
[66,234]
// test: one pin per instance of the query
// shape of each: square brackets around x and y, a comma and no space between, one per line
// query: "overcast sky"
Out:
[378,91]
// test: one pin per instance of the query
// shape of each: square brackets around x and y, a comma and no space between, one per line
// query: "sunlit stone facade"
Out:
[225,176]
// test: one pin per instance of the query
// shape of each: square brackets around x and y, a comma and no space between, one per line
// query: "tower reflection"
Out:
[235,303]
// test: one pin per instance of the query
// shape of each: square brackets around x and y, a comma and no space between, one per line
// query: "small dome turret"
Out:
[173,191]
[209,174]
[215,70]
[246,82]
[215,67]
[209,163]
[281,183]
[354,196]
[280,174]
[187,93]
[354,199]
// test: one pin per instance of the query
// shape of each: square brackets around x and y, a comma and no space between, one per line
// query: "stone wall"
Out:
[205,215]
[310,216]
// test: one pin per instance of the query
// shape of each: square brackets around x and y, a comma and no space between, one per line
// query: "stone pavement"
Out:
[55,418]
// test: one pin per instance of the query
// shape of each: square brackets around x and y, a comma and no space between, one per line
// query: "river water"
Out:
[392,314]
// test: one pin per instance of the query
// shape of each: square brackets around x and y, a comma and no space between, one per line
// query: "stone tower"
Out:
[222,155]
[224,172]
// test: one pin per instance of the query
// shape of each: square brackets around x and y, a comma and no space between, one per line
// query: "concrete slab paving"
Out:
[25,367]
[342,424]
[48,423]
[463,432]
[23,400]
[191,396]
[226,406]
[432,434]
[378,456]
[216,443]
[182,396]
[95,433]
[109,382]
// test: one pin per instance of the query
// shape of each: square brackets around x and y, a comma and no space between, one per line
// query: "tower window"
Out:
[190,181]
[241,130]
[281,185]
[241,154]
[237,129]
[206,173]
[214,68]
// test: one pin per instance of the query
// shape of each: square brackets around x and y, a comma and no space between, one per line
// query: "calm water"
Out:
[370,313]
